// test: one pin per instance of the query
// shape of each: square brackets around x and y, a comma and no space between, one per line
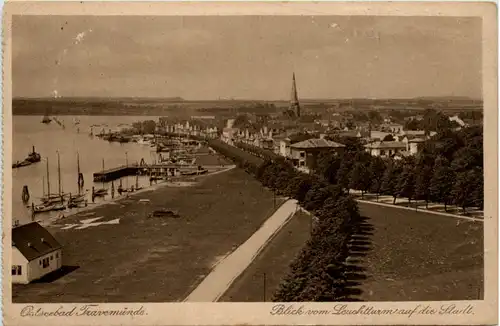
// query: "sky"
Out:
[246,57]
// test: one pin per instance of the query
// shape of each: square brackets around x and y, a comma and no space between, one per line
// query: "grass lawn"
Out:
[273,261]
[154,259]
[401,255]
[435,207]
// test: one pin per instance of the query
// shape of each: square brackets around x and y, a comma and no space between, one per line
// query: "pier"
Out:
[116,173]
[160,170]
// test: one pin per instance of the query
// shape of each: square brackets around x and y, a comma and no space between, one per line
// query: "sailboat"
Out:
[51,202]
[46,118]
[101,191]
[74,201]
[49,198]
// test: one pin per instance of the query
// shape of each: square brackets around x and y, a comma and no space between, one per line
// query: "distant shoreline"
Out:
[182,100]
[159,107]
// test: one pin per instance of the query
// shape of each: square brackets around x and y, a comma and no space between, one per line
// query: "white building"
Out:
[414,145]
[35,253]
[284,147]
[391,148]
[386,148]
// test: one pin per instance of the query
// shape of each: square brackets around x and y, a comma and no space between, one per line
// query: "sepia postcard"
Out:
[250,163]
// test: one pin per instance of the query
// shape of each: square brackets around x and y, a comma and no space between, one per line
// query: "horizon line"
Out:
[181,99]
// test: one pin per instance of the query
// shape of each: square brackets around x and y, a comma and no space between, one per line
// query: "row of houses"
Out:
[303,154]
[190,129]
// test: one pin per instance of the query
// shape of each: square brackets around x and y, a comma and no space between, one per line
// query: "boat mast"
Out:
[78,168]
[48,178]
[126,164]
[59,172]
[103,173]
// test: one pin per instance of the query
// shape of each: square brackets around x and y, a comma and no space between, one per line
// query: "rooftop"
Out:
[33,241]
[416,140]
[317,143]
[414,132]
[386,144]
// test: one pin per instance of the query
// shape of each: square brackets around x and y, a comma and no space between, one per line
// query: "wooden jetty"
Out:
[158,170]
[115,173]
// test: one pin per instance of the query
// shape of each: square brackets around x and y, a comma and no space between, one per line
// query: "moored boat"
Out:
[101,191]
[52,199]
[47,208]
[33,157]
[76,201]
[19,164]
[46,118]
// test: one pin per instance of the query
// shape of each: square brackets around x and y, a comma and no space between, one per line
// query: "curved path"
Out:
[228,269]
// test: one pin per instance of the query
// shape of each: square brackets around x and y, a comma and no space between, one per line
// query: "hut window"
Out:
[16,270]
[51,257]
[57,255]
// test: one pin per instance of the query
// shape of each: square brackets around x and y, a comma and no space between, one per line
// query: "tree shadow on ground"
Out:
[360,244]
[57,274]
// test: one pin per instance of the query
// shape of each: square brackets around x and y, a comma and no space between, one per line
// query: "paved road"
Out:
[226,271]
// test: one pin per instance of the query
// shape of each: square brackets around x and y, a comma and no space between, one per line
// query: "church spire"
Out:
[294,100]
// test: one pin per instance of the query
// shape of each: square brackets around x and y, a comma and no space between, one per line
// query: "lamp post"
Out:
[126,176]
[274,197]
[264,293]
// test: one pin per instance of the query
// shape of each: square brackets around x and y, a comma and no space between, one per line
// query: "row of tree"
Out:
[144,127]
[432,120]
[448,170]
[317,274]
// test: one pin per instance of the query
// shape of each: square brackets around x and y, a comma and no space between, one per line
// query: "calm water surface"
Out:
[75,138]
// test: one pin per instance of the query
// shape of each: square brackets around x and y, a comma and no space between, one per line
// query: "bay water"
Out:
[72,140]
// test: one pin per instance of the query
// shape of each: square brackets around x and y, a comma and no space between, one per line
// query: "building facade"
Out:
[304,154]
[386,148]
[35,253]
